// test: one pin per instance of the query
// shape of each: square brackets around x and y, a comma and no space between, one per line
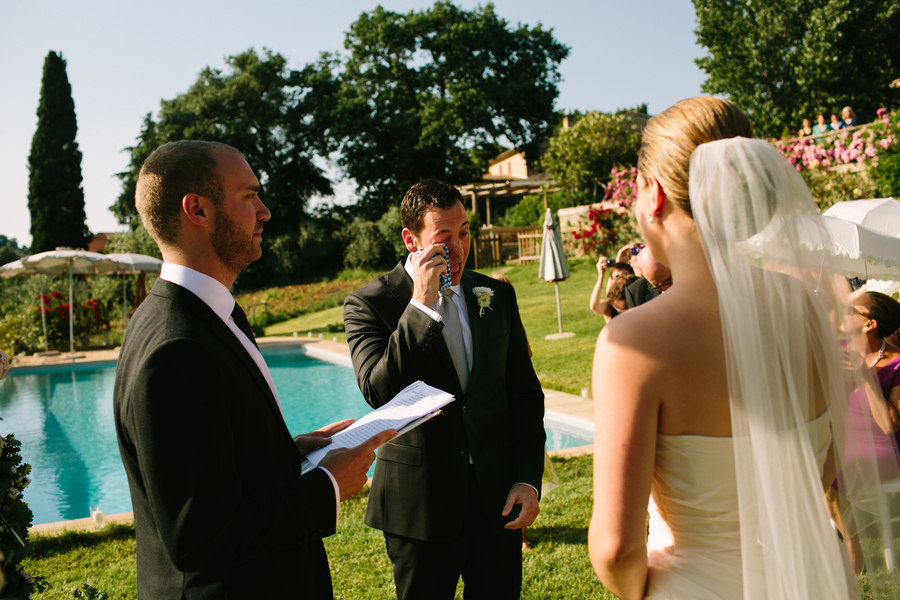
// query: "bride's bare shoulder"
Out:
[666,327]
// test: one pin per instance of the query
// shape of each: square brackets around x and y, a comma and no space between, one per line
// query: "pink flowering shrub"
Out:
[843,147]
[622,186]
[838,165]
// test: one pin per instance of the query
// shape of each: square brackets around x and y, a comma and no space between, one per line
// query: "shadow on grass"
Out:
[557,534]
[53,545]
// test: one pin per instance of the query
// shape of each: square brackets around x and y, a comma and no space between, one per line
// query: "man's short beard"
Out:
[229,244]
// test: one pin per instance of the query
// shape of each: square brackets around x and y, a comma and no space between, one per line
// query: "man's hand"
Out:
[427,267]
[624,253]
[526,497]
[307,442]
[348,466]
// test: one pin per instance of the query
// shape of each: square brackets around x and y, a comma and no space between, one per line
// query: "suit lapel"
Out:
[221,331]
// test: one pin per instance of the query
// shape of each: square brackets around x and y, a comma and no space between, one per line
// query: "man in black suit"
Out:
[656,279]
[220,507]
[451,495]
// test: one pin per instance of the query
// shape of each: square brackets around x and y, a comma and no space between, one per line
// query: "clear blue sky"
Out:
[124,57]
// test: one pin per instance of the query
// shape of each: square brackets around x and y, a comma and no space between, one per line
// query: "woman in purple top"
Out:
[875,407]
[875,317]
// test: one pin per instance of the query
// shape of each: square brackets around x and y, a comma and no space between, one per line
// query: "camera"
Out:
[636,249]
[610,262]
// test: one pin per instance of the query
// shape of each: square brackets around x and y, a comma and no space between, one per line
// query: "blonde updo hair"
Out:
[670,138]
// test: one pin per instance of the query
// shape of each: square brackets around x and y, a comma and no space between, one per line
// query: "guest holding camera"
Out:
[601,303]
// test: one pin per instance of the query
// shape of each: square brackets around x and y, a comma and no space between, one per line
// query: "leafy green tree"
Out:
[55,196]
[9,250]
[259,106]
[783,61]
[137,240]
[124,208]
[419,94]
[364,246]
[580,158]
[390,225]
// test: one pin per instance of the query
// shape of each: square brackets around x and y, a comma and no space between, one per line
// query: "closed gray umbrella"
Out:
[553,266]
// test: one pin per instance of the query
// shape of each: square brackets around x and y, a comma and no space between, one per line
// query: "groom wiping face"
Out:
[451,495]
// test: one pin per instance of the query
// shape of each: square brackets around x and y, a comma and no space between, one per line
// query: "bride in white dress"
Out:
[723,399]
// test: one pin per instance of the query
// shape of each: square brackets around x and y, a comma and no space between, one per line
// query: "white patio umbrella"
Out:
[844,247]
[14,269]
[129,262]
[73,262]
[880,214]
[553,266]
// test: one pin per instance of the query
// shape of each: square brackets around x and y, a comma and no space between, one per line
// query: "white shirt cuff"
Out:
[337,494]
[529,485]
[425,309]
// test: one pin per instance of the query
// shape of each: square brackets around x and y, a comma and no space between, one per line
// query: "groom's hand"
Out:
[526,497]
[348,466]
[307,442]
[427,267]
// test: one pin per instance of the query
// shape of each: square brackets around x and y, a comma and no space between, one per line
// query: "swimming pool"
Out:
[63,416]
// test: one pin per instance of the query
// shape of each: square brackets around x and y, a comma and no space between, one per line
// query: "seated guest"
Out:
[806,128]
[616,271]
[835,123]
[849,117]
[821,126]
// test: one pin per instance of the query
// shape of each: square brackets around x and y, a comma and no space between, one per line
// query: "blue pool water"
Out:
[63,416]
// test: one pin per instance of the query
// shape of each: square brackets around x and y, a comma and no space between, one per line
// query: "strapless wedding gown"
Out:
[694,547]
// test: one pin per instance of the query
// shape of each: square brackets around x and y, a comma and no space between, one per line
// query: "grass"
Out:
[556,566]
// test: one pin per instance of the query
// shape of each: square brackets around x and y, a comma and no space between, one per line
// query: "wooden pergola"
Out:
[504,189]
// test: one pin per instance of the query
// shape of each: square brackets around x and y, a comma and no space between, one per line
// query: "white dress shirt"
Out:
[217,297]
[460,302]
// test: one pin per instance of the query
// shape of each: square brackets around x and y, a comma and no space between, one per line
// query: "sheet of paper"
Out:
[415,404]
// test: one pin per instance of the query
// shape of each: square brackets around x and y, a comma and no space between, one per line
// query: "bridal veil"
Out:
[780,311]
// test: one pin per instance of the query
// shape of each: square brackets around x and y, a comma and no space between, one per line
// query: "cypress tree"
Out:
[55,196]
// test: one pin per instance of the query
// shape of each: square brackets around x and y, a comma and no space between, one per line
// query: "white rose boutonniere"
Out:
[484,295]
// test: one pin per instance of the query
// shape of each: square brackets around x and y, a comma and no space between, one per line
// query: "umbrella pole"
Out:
[558,312]
[43,314]
[71,315]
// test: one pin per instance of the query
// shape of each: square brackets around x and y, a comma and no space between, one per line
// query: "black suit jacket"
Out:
[220,508]
[638,292]
[421,478]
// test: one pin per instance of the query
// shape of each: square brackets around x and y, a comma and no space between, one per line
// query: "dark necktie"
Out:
[240,319]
